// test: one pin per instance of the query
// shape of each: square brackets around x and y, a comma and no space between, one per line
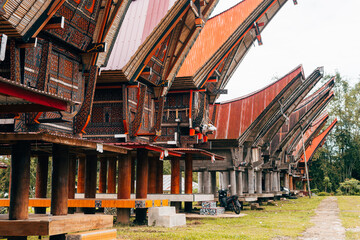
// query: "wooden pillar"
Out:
[152,174]
[112,176]
[188,174]
[259,182]
[90,179]
[102,175]
[200,183]
[142,170]
[175,176]
[72,181]
[81,175]
[213,182]
[59,179]
[206,181]
[233,182]
[251,181]
[188,179]
[239,184]
[267,182]
[42,170]
[72,176]
[286,181]
[133,165]
[124,187]
[159,177]
[20,181]
[291,183]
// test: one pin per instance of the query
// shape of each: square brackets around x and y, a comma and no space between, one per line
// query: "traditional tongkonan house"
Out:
[201,79]
[49,52]
[129,97]
[246,126]
[290,135]
[314,145]
[297,149]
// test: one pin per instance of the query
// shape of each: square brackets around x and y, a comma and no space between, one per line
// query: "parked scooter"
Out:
[230,203]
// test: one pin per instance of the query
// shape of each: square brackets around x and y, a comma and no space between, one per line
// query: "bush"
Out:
[350,187]
[315,190]
[323,194]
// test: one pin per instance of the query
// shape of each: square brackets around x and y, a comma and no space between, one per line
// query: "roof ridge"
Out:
[264,88]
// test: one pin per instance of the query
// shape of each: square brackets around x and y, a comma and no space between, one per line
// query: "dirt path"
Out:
[327,222]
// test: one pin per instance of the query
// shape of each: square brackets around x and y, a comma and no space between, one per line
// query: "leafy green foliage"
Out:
[339,159]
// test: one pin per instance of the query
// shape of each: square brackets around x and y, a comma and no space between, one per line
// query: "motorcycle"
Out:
[230,203]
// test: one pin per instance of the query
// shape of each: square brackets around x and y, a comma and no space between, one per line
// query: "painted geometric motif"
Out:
[80,20]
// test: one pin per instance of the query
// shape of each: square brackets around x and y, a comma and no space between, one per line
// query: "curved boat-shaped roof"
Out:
[140,19]
[232,118]
[161,29]
[215,33]
[301,117]
[310,133]
[317,142]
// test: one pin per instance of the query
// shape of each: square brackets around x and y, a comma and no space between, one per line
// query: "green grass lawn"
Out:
[350,215]
[288,219]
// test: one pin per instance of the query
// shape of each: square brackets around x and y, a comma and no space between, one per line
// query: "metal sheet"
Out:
[140,19]
[216,31]
[233,117]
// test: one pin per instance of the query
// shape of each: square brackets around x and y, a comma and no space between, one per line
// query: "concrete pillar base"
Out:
[123,215]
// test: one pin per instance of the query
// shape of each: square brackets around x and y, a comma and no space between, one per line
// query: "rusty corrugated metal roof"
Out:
[312,131]
[233,117]
[317,142]
[215,33]
[140,19]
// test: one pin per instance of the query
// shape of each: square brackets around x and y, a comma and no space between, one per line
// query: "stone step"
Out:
[165,217]
[159,211]
[208,204]
[212,211]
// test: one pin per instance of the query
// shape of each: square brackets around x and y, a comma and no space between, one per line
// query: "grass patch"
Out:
[290,218]
[350,215]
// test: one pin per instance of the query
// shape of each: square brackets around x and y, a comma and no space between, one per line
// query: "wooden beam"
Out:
[112,175]
[152,174]
[188,173]
[72,177]
[44,225]
[90,179]
[55,23]
[6,137]
[59,180]
[159,177]
[42,170]
[175,176]
[124,181]
[142,166]
[81,175]
[20,181]
[102,175]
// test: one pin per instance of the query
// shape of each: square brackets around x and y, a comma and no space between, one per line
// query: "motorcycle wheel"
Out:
[237,207]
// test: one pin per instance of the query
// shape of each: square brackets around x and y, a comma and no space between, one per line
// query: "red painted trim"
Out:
[192,132]
[87,122]
[37,117]
[33,97]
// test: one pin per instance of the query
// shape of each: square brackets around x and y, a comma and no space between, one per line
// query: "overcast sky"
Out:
[313,33]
